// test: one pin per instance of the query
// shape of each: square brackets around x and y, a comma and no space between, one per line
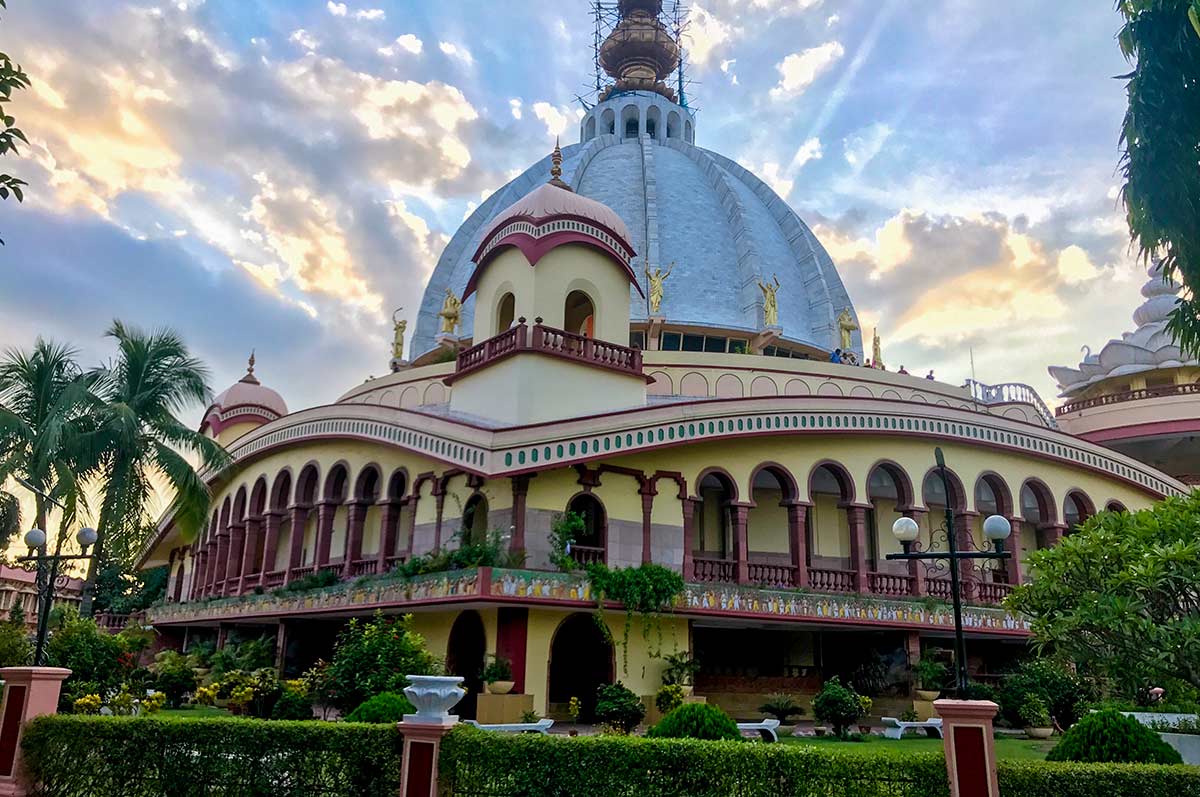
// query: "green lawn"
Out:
[196,712]
[1022,749]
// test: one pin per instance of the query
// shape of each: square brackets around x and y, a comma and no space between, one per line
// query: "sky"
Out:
[280,175]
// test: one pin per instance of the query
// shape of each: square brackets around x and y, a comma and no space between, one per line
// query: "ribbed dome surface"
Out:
[722,227]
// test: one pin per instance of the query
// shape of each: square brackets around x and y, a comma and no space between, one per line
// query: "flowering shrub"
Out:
[374,657]
[153,703]
[88,704]
[669,698]
[206,695]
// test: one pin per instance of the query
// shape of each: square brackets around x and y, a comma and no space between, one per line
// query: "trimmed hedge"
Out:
[696,721]
[78,756]
[1110,736]
[1055,779]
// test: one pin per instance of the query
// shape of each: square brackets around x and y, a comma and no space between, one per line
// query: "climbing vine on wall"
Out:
[648,590]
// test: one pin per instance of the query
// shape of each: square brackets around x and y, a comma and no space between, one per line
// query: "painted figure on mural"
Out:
[656,278]
[398,327]
[846,325]
[770,306]
[451,311]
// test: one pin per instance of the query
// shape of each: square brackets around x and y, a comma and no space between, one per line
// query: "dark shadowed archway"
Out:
[464,657]
[581,659]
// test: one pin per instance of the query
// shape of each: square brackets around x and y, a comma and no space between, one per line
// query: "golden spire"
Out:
[250,377]
[556,167]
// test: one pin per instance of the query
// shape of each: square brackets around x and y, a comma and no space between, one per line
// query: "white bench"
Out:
[541,726]
[765,729]
[894,728]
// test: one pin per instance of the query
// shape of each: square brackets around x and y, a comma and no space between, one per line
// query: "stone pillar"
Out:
[439,496]
[296,546]
[647,493]
[281,640]
[856,516]
[520,494]
[177,597]
[965,541]
[797,515]
[216,566]
[326,511]
[410,522]
[1013,546]
[357,518]
[916,569]
[199,571]
[254,530]
[233,565]
[389,521]
[689,542]
[423,732]
[272,522]
[970,747]
[29,692]
[1050,535]
[172,578]
[739,516]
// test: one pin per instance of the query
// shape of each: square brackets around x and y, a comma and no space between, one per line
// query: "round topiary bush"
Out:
[696,721]
[1110,736]
[387,707]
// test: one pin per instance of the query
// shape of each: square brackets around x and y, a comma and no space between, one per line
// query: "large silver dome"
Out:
[724,229]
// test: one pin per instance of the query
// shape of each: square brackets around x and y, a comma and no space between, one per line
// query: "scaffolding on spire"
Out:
[606,16]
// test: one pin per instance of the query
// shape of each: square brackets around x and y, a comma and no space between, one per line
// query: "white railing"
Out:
[1011,393]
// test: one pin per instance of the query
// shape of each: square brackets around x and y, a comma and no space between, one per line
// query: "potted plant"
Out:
[931,676]
[681,670]
[782,707]
[1036,718]
[497,674]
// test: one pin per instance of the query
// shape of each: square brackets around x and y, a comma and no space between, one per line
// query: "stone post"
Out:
[28,692]
[740,516]
[272,522]
[389,520]
[326,511]
[520,496]
[856,517]
[433,696]
[1013,546]
[357,518]
[647,492]
[689,543]
[254,530]
[296,547]
[232,577]
[970,746]
[797,514]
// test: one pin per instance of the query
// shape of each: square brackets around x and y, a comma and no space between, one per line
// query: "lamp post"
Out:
[47,576]
[996,528]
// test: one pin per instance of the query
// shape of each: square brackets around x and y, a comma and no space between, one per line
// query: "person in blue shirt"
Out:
[836,357]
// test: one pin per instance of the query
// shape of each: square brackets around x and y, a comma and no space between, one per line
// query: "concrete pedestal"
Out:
[501,709]
[28,692]
[970,746]
[422,746]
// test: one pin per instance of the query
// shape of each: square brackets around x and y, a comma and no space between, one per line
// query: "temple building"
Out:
[638,330]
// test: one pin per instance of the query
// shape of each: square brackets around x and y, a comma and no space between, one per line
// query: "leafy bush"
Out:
[838,705]
[781,707]
[682,668]
[932,675]
[388,707]
[1063,692]
[529,717]
[647,590]
[696,721]
[173,676]
[88,704]
[374,657]
[1046,779]
[498,669]
[977,691]
[73,756]
[564,531]
[317,580]
[1112,737]
[97,660]
[15,650]
[1034,713]
[486,553]
[618,708]
[292,706]
[668,698]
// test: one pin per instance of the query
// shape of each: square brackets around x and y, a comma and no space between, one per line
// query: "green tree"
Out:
[1118,597]
[374,657]
[12,79]
[153,378]
[1161,140]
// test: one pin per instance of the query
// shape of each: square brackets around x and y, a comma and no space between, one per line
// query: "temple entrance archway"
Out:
[581,659]
[464,656]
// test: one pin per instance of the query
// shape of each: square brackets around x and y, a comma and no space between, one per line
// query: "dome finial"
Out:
[556,167]
[250,378]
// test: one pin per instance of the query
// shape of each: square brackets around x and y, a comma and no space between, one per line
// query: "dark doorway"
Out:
[464,657]
[581,659]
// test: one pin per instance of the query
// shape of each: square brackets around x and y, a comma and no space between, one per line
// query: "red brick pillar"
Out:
[916,569]
[233,565]
[254,530]
[272,522]
[520,493]
[326,511]
[857,520]
[739,515]
[296,544]
[439,495]
[419,767]
[357,518]
[1013,546]
[647,492]
[28,692]
[689,542]
[389,522]
[797,514]
[970,747]
[1050,535]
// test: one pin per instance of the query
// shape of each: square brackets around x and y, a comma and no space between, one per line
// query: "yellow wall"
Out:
[767,523]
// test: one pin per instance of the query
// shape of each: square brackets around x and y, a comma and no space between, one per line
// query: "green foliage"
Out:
[978,691]
[15,648]
[387,707]
[564,531]
[173,676]
[870,674]
[374,657]
[292,706]
[1043,779]
[618,707]
[97,660]
[498,669]
[529,717]
[782,707]
[668,698]
[121,592]
[1160,136]
[1118,597]
[1063,692]
[682,668]
[247,655]
[467,554]
[12,78]
[1034,713]
[74,756]
[647,590]
[838,705]
[317,580]
[696,721]
[932,675]
[1112,737]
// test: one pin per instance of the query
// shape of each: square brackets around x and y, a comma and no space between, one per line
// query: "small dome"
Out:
[549,201]
[246,400]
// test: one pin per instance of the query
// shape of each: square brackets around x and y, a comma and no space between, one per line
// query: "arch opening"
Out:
[591,543]
[579,314]
[830,490]
[475,520]
[506,312]
[768,535]
[886,494]
[713,530]
[581,660]
[465,652]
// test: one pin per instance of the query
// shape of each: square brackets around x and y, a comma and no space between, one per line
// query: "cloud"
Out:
[862,147]
[370,15]
[727,68]
[457,51]
[555,119]
[832,20]
[799,70]
[407,43]
[304,39]
[337,9]
[705,35]
[515,106]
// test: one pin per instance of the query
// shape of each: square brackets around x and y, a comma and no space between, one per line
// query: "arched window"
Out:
[590,544]
[711,516]
[630,121]
[673,125]
[506,312]
[589,131]
[579,314]
[1076,509]
[830,490]
[888,489]
[608,122]
[475,520]
[767,535]
[653,116]
[1037,512]
[687,132]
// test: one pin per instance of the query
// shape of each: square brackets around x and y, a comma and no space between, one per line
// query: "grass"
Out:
[195,712]
[1016,749]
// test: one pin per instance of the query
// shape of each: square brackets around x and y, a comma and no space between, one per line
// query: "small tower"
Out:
[241,408]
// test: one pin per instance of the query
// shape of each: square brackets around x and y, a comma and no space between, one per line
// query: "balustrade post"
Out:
[797,514]
[296,547]
[740,515]
[689,564]
[273,520]
[357,517]
[916,568]
[857,518]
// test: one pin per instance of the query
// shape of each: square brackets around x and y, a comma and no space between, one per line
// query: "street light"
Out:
[996,528]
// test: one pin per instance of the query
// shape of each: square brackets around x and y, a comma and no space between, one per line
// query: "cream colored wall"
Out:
[371,531]
[767,523]
[542,291]
[831,527]
[885,516]
[435,628]
[234,431]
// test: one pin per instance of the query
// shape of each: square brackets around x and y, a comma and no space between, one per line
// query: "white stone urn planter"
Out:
[1039,733]
[433,696]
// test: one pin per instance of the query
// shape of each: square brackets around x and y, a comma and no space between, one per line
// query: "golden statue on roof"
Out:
[770,306]
[846,325]
[656,278]
[398,327]
[450,313]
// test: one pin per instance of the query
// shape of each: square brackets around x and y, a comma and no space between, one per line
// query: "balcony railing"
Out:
[714,570]
[1011,393]
[585,555]
[364,567]
[274,579]
[988,592]
[772,575]
[550,341]
[824,580]
[889,584]
[1189,389]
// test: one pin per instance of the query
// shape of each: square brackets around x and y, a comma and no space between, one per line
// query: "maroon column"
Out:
[739,516]
[357,518]
[916,568]
[512,636]
[647,492]
[970,746]
[410,523]
[1013,546]
[389,521]
[254,530]
[233,565]
[271,522]
[419,767]
[325,514]
[689,542]
[857,517]
[296,546]
[216,567]
[172,579]
[1050,534]
[178,595]
[520,493]
[199,571]
[439,495]
[797,514]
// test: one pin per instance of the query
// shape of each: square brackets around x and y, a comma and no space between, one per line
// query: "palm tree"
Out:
[153,378]
[47,432]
